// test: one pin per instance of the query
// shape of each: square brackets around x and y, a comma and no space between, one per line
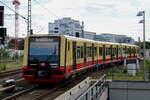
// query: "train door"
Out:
[117,52]
[120,52]
[111,55]
[74,55]
[130,51]
[84,54]
[126,54]
[104,54]
[134,51]
[92,53]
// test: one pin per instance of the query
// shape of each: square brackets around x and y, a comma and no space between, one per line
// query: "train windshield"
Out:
[44,49]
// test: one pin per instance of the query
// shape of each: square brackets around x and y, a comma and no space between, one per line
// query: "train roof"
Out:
[76,38]
[82,39]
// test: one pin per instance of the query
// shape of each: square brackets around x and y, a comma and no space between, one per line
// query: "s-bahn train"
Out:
[52,58]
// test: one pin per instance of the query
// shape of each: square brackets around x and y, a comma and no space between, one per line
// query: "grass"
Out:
[125,76]
[11,65]
[5,56]
[120,75]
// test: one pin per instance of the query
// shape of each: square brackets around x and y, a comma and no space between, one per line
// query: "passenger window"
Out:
[106,51]
[113,51]
[78,52]
[81,51]
[109,51]
[95,51]
[100,51]
[90,51]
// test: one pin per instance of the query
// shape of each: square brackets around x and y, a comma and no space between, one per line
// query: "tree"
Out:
[11,44]
[21,44]
[4,54]
[147,45]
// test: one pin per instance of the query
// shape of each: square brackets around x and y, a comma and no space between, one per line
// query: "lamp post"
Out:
[142,13]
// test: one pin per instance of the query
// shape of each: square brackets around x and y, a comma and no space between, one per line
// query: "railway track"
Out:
[13,97]
[50,92]
[24,86]
[38,93]
[10,73]
[74,82]
[7,61]
[19,82]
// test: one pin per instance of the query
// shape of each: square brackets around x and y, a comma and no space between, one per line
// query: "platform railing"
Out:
[95,90]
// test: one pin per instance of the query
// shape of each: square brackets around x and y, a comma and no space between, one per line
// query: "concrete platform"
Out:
[76,91]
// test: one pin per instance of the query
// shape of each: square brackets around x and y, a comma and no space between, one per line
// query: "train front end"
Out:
[42,59]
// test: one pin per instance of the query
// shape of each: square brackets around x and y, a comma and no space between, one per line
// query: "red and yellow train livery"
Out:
[52,58]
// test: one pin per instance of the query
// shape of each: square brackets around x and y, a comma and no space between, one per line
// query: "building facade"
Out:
[114,38]
[89,35]
[66,26]
[71,27]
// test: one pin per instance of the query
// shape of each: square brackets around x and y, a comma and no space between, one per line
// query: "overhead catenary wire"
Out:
[17,13]
[50,12]
[13,10]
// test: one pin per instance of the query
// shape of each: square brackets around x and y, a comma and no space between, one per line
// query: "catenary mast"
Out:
[16,3]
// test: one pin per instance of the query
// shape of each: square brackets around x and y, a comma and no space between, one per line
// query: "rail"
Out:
[11,72]
[95,90]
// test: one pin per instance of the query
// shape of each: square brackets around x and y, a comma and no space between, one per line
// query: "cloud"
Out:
[101,16]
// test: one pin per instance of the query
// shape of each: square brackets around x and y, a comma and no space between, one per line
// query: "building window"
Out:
[55,31]
[51,31]
[56,28]
[77,34]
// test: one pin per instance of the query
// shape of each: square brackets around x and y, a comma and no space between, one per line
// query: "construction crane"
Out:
[16,3]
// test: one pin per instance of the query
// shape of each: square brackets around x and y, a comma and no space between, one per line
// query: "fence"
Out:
[125,74]
[95,90]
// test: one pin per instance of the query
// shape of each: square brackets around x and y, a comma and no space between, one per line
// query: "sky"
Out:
[100,16]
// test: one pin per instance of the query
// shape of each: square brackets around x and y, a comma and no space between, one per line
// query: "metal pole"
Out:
[82,29]
[112,73]
[144,44]
[149,75]
[29,18]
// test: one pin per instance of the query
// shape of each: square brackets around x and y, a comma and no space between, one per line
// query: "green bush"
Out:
[16,56]
[148,63]
[4,55]
[3,67]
